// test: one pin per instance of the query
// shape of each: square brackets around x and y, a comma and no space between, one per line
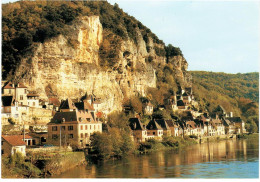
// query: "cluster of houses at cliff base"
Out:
[55,122]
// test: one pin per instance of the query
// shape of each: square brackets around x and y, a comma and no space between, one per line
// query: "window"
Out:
[90,127]
[54,128]
[86,135]
[81,135]
[98,126]
[33,103]
[63,128]
[54,136]
[70,127]
[25,91]
[2,142]
[86,127]
[21,149]
[10,91]
[94,127]
[81,127]
[21,97]
[70,135]
[3,152]
[153,133]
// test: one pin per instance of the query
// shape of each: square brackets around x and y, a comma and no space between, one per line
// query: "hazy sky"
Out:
[219,36]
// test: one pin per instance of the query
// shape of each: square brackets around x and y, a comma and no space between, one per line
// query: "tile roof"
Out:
[163,124]
[84,106]
[32,95]
[9,86]
[235,119]
[216,121]
[54,101]
[20,85]
[180,103]
[67,104]
[135,124]
[15,140]
[153,125]
[192,124]
[73,117]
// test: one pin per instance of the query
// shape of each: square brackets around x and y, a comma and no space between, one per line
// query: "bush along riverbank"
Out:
[251,136]
[167,143]
[110,147]
[39,165]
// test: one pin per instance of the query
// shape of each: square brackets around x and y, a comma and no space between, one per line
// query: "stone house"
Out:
[193,128]
[148,108]
[12,144]
[181,105]
[73,125]
[11,109]
[19,91]
[154,130]
[219,127]
[138,130]
[33,100]
[230,127]
[174,127]
[239,124]
[163,124]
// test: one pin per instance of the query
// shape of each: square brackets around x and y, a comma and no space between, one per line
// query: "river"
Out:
[224,159]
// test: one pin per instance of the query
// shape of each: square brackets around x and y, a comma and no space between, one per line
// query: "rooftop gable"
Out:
[16,140]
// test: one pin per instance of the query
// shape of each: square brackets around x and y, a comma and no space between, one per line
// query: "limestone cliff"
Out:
[68,66]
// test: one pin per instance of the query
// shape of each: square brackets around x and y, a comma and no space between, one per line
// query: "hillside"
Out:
[235,92]
[67,49]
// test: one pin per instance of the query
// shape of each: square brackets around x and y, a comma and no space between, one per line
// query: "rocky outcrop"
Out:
[68,66]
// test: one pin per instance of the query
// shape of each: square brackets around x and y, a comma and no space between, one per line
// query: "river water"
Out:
[224,159]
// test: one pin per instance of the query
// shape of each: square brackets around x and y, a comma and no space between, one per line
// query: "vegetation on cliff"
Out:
[237,93]
[49,19]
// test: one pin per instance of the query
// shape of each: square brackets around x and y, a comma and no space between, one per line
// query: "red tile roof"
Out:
[21,85]
[9,86]
[54,101]
[15,140]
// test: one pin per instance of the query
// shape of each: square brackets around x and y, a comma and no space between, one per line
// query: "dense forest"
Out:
[235,92]
[26,23]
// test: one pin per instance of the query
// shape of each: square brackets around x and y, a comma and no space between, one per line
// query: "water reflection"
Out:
[202,160]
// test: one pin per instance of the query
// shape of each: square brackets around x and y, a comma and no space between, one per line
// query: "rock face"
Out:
[63,68]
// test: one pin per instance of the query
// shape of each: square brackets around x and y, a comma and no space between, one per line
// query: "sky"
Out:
[218,36]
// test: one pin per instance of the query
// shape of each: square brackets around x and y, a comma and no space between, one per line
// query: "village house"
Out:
[171,103]
[138,129]
[154,130]
[219,127]
[33,100]
[239,124]
[19,91]
[12,144]
[193,128]
[230,127]
[163,124]
[148,108]
[72,126]
[174,127]
[181,105]
[12,110]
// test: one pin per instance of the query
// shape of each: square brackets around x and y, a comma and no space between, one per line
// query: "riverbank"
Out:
[222,159]
[167,143]
[40,165]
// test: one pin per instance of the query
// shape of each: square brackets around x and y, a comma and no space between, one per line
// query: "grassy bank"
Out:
[40,164]
[167,143]
[252,136]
